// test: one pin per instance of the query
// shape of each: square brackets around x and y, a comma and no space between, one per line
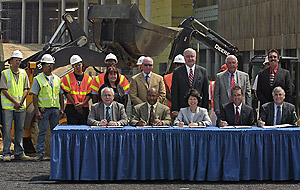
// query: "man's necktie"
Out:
[237,116]
[107,114]
[147,77]
[151,118]
[232,84]
[191,77]
[272,76]
[278,116]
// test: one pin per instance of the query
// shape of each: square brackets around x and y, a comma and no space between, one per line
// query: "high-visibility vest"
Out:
[168,84]
[211,92]
[48,97]
[99,81]
[14,89]
[78,93]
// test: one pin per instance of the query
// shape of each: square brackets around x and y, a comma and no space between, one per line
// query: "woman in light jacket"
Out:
[193,115]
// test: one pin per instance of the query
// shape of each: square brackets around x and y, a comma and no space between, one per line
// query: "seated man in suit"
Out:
[236,113]
[277,112]
[151,112]
[107,112]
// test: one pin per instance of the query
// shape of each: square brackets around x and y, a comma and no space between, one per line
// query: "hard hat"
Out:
[111,56]
[75,59]
[17,54]
[47,58]
[266,60]
[140,60]
[179,59]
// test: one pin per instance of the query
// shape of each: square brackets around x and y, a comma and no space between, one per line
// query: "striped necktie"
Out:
[272,76]
[191,77]
[232,84]
[107,117]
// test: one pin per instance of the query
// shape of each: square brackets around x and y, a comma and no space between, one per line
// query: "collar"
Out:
[275,70]
[146,74]
[234,74]
[105,106]
[154,106]
[275,106]
[189,68]
[48,77]
[240,107]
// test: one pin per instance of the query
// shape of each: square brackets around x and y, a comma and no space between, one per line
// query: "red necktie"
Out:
[232,83]
[191,77]
[237,116]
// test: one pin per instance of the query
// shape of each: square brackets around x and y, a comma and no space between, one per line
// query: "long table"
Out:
[196,154]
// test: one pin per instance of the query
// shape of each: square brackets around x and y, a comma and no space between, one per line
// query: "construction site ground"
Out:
[35,175]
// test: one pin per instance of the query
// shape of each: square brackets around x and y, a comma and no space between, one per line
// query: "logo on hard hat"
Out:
[17,54]
[112,57]
[75,59]
[179,59]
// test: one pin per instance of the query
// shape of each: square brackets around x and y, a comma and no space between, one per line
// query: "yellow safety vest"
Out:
[14,89]
[48,97]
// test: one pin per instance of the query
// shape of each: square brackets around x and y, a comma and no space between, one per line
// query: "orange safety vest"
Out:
[99,81]
[78,93]
[212,89]
[168,84]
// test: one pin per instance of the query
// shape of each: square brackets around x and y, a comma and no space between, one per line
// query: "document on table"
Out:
[154,126]
[186,126]
[279,126]
[236,127]
[118,126]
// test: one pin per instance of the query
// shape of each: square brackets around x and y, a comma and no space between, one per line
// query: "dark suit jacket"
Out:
[181,85]
[97,113]
[264,90]
[289,115]
[140,111]
[227,114]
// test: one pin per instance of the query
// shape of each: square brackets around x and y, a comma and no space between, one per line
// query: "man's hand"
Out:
[180,124]
[157,122]
[103,122]
[79,107]
[17,105]
[175,113]
[112,123]
[193,124]
[38,115]
[218,113]
[141,123]
[261,123]
[223,123]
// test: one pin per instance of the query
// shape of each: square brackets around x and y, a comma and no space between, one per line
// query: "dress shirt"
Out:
[149,75]
[110,110]
[240,108]
[188,70]
[149,108]
[229,81]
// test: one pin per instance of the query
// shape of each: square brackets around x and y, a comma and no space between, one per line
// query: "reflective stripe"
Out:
[8,79]
[121,79]
[43,98]
[126,87]
[98,81]
[7,104]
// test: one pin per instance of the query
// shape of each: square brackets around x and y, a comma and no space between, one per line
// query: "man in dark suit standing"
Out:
[236,113]
[277,112]
[228,79]
[186,77]
[107,112]
[271,78]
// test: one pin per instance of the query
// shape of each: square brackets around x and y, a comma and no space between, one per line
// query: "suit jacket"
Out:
[138,88]
[289,115]
[97,113]
[221,92]
[181,85]
[227,114]
[201,115]
[140,111]
[264,89]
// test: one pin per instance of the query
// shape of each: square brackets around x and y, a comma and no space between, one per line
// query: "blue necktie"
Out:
[278,116]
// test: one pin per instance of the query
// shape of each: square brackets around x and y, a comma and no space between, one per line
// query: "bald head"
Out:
[152,96]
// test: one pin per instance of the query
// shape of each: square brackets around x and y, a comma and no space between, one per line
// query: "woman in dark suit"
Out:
[112,79]
[193,115]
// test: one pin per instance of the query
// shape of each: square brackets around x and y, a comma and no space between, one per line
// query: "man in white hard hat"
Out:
[110,60]
[47,101]
[178,61]
[14,85]
[76,86]
[140,62]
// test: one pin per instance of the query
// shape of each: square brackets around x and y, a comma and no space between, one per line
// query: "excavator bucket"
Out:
[122,29]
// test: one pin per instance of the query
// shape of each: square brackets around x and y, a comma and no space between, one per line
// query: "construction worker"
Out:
[110,60]
[140,62]
[76,86]
[178,61]
[47,101]
[14,85]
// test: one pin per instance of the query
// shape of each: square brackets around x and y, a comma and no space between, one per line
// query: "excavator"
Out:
[122,30]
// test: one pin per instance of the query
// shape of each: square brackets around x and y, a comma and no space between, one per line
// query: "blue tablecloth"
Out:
[212,154]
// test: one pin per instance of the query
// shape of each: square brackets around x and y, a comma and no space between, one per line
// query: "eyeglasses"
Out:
[48,64]
[18,59]
[271,57]
[77,65]
[148,65]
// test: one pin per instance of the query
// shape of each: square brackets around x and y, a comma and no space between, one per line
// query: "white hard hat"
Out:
[75,59]
[179,59]
[140,60]
[111,56]
[17,54]
[47,58]
[266,60]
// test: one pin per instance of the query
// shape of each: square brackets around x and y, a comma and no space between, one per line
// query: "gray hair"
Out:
[231,56]
[189,49]
[277,90]
[108,88]
[145,58]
